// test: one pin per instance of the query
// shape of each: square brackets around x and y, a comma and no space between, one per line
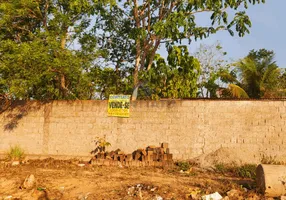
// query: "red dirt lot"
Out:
[65,180]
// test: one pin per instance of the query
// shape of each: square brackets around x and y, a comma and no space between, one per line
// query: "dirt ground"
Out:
[66,180]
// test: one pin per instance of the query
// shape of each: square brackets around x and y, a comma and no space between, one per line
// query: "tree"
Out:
[36,61]
[175,79]
[151,23]
[282,84]
[215,70]
[258,73]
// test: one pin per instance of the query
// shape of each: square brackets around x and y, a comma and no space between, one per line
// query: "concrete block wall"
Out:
[191,127]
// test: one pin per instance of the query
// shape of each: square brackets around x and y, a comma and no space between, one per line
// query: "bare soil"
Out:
[65,180]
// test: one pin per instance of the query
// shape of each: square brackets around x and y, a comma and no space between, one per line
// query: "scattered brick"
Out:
[150,156]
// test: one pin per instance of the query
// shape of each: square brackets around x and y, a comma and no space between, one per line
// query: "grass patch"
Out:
[244,171]
[221,168]
[184,166]
[15,153]
[271,160]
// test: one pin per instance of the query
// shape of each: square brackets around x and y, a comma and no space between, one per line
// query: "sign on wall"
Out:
[118,105]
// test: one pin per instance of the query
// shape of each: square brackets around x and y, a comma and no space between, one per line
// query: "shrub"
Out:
[221,168]
[246,171]
[15,153]
[271,160]
[185,166]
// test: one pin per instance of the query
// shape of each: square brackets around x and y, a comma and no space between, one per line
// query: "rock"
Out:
[53,194]
[83,196]
[25,161]
[37,194]
[157,197]
[62,189]
[8,197]
[29,182]
[283,198]
[15,163]
[131,191]
[81,164]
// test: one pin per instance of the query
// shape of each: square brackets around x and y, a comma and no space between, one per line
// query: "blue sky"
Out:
[267,31]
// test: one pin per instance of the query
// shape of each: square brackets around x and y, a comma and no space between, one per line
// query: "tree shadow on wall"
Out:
[15,111]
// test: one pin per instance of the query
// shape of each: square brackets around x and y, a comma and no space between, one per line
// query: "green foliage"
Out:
[81,49]
[221,168]
[247,171]
[237,92]
[271,160]
[177,79]
[185,166]
[16,153]
[244,171]
[36,62]
[144,25]
[259,73]
[282,84]
[101,145]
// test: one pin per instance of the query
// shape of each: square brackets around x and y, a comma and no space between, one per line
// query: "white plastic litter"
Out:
[213,196]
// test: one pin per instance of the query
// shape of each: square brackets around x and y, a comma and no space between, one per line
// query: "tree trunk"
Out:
[63,78]
[271,180]
[63,41]
[138,54]
[63,85]
[135,93]
[136,72]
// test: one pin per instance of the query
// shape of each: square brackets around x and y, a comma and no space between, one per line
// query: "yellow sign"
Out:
[118,105]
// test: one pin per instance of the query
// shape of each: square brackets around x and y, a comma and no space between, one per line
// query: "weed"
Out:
[221,168]
[101,145]
[246,171]
[185,166]
[271,160]
[15,153]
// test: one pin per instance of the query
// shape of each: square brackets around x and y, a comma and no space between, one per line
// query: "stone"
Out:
[29,182]
[15,163]
[157,197]
[37,194]
[8,197]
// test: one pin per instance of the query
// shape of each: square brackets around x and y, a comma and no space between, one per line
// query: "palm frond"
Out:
[237,91]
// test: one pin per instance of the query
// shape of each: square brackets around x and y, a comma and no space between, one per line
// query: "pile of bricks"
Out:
[151,156]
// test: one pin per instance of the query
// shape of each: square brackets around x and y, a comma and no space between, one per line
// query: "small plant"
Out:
[184,166]
[101,145]
[246,171]
[221,168]
[271,160]
[16,153]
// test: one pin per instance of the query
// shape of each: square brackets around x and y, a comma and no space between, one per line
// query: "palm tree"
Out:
[258,73]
